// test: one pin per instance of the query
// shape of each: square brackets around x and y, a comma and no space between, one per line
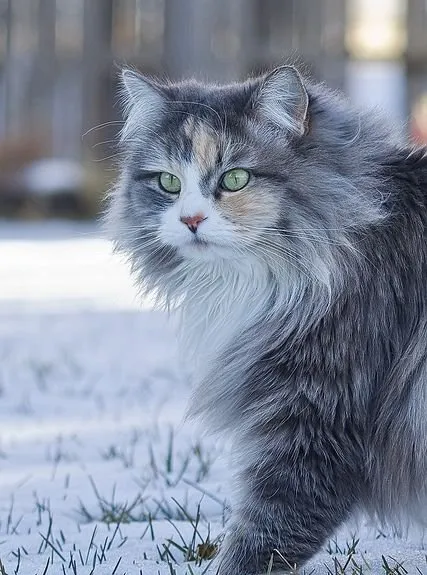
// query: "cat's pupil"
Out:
[169,183]
[235,180]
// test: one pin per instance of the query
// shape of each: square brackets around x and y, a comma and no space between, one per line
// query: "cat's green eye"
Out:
[235,180]
[169,183]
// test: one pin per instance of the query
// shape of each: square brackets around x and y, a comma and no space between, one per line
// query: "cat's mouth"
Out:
[200,247]
[200,243]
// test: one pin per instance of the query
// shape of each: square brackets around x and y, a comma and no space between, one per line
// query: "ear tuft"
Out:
[141,92]
[283,98]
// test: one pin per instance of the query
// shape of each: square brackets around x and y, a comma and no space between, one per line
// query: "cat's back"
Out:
[407,169]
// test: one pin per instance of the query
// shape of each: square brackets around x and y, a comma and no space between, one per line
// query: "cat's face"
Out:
[216,200]
[201,178]
[199,171]
[225,174]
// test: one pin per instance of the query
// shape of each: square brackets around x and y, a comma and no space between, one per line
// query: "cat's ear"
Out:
[141,92]
[282,97]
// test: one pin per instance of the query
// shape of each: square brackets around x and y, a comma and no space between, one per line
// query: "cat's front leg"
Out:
[291,502]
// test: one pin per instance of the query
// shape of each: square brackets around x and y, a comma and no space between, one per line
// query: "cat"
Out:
[288,231]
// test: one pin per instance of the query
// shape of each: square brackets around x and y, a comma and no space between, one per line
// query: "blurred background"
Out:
[59,63]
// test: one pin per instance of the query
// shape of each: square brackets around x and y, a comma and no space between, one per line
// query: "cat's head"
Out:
[233,174]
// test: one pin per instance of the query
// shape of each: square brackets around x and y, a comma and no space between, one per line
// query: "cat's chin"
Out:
[205,251]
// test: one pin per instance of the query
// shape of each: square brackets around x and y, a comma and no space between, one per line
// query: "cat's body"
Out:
[303,295]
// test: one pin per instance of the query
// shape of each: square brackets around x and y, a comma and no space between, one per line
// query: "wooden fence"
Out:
[59,58]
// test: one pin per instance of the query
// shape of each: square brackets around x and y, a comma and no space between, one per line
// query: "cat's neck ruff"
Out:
[219,301]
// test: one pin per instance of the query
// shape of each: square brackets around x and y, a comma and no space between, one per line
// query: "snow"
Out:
[92,397]
[53,176]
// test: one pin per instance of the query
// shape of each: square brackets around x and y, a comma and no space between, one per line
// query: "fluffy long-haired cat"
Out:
[288,230]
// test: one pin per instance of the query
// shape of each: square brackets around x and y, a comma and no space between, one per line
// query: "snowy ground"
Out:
[98,473]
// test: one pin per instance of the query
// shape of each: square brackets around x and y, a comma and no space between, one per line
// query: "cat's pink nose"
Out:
[193,222]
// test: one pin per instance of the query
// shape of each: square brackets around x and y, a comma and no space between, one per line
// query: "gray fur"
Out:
[322,375]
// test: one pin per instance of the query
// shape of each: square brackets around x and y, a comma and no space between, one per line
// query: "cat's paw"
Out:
[243,554]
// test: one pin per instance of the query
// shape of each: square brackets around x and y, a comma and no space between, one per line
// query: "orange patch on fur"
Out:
[189,127]
[250,207]
[205,143]
[205,147]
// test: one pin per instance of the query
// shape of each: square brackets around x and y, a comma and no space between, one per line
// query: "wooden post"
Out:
[97,96]
[416,53]
[44,78]
[207,38]
[8,73]
[182,56]
[332,66]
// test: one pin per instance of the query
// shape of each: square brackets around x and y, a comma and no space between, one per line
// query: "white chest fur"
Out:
[220,301]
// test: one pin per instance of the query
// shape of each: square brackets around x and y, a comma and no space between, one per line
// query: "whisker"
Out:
[274,228]
[194,116]
[288,257]
[104,143]
[201,104]
[99,126]
[309,235]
